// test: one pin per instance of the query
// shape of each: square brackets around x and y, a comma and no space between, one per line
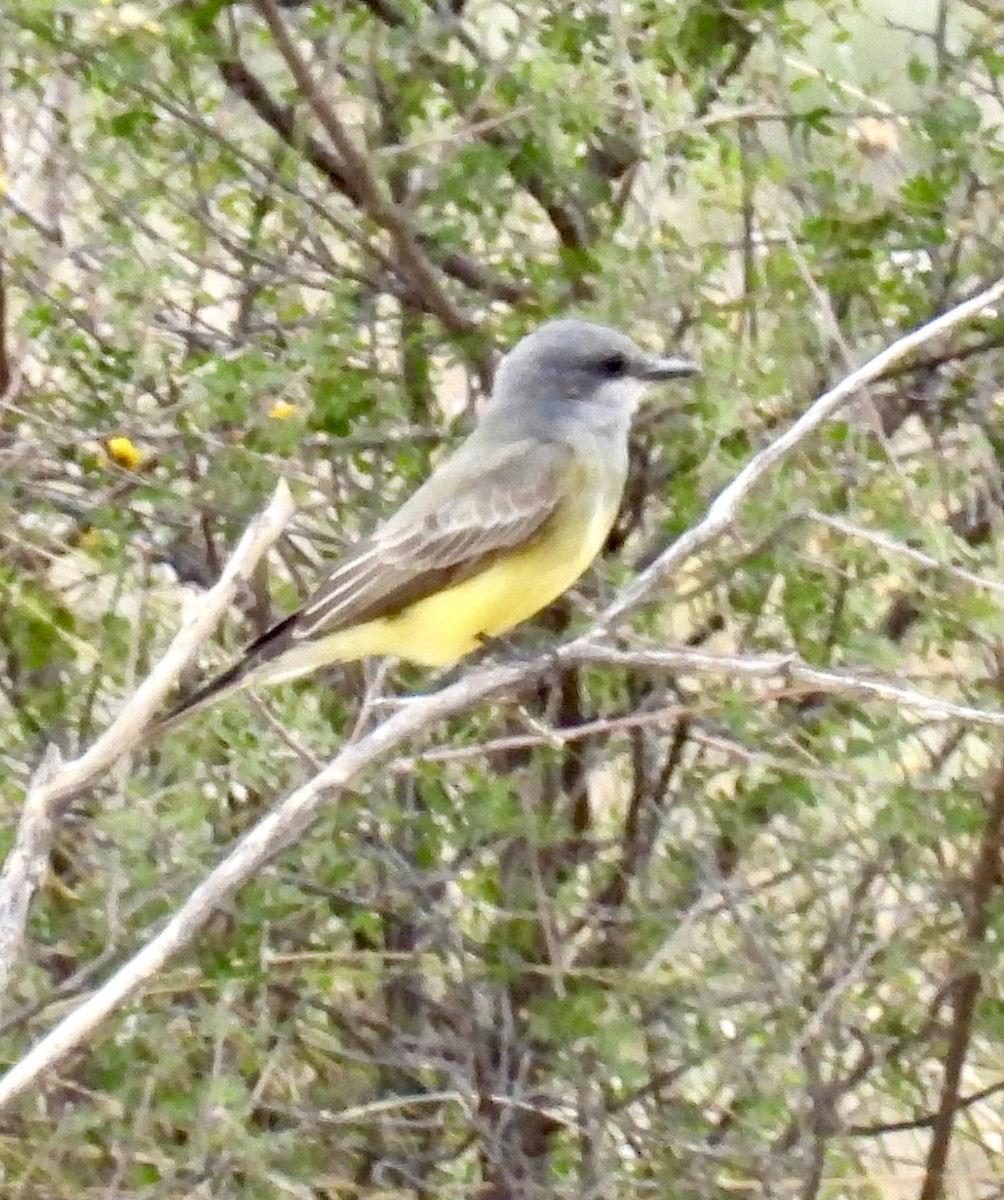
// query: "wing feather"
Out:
[482,502]
[452,527]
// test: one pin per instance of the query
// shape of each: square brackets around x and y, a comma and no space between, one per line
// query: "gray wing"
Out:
[482,502]
[475,507]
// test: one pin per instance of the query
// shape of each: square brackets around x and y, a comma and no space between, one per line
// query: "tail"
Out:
[243,673]
[228,681]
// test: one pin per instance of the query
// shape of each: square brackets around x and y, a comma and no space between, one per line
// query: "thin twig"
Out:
[294,815]
[892,546]
[722,513]
[378,206]
[55,783]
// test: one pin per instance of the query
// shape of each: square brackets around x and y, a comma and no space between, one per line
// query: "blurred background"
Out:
[633,935]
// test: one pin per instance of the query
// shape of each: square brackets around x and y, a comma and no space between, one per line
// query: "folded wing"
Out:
[481,504]
[468,513]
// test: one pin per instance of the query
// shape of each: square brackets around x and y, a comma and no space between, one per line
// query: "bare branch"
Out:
[891,546]
[724,510]
[24,869]
[783,667]
[56,783]
[284,825]
[121,735]
[371,197]
[6,374]
[293,816]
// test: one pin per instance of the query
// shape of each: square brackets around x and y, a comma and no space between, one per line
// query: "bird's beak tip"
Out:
[671,368]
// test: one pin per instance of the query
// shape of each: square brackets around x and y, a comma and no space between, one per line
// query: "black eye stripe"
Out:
[614,364]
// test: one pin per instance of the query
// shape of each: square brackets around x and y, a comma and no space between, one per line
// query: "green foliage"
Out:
[692,934]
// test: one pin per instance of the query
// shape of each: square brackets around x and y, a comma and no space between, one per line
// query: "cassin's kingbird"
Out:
[495,533]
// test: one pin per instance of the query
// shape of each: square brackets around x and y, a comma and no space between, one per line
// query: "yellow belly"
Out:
[444,627]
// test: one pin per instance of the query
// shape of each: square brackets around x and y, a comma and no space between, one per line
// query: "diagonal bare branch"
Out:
[55,783]
[724,510]
[378,206]
[293,816]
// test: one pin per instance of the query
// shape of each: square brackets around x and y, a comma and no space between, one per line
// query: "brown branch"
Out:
[881,1128]
[607,158]
[6,374]
[282,121]
[985,881]
[466,269]
[370,196]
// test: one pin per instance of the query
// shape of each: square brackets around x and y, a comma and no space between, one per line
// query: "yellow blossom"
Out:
[281,410]
[125,452]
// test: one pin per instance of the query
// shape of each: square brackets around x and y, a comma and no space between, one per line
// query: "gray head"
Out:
[579,362]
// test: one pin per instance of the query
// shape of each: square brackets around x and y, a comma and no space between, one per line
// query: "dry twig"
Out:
[293,815]
[55,783]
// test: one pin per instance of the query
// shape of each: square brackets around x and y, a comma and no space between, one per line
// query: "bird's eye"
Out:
[614,364]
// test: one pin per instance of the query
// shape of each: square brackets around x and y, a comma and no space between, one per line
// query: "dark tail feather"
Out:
[213,690]
[270,645]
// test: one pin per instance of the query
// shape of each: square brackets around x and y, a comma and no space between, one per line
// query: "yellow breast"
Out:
[443,627]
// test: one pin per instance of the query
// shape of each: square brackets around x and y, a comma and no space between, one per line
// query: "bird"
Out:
[496,532]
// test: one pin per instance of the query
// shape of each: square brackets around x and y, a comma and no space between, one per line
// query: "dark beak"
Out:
[668,368]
